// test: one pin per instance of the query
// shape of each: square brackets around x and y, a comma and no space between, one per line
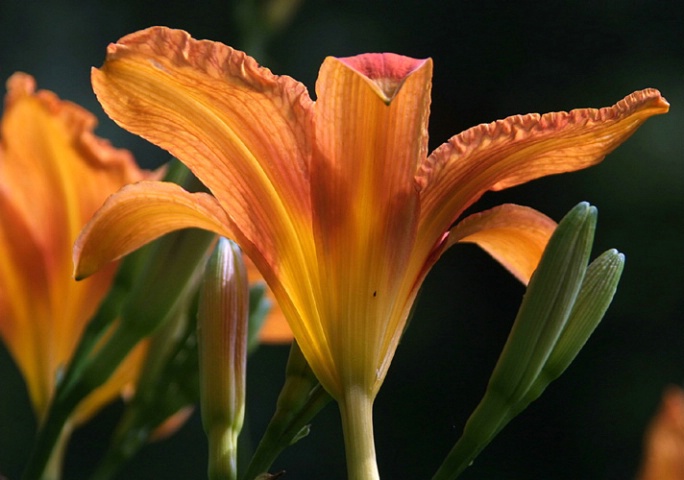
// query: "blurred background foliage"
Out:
[492,59]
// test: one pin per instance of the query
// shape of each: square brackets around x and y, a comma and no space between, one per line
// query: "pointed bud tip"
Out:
[581,214]
[614,255]
[614,252]
[584,209]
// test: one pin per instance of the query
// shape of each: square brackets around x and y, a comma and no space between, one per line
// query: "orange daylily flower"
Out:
[336,201]
[54,174]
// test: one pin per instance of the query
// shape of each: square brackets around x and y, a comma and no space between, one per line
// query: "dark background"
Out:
[492,59]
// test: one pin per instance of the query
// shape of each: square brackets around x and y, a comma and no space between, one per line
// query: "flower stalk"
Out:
[54,467]
[356,410]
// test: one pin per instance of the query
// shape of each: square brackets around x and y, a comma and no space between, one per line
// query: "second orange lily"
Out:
[54,174]
[336,201]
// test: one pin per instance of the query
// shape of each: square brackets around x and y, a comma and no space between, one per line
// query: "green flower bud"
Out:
[222,327]
[563,304]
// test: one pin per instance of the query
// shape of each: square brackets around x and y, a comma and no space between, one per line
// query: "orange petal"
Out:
[138,214]
[275,328]
[515,236]
[172,424]
[371,132]
[24,318]
[244,132]
[521,148]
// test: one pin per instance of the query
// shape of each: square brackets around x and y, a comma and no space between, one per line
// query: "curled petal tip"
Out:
[646,96]
[82,268]
[18,85]
[386,72]
[384,65]
[514,235]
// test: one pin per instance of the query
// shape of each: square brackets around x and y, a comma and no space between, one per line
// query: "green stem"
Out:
[222,453]
[300,400]
[484,424]
[284,432]
[110,465]
[356,409]
[53,469]
[51,437]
